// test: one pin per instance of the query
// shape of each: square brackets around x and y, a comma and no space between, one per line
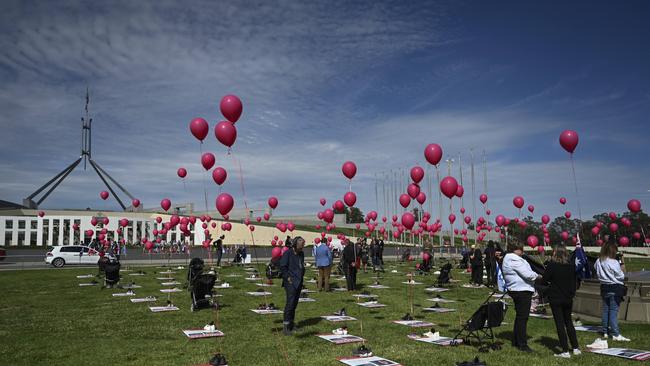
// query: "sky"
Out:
[323,82]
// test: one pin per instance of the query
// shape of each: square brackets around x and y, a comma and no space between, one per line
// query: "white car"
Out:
[59,256]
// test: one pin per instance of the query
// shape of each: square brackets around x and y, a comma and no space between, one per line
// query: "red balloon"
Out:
[219,175]
[545,219]
[291,226]
[452,218]
[123,222]
[207,160]
[413,190]
[449,186]
[483,198]
[273,202]
[460,191]
[323,201]
[417,173]
[612,215]
[562,200]
[199,128]
[328,215]
[500,220]
[569,140]
[634,206]
[231,107]
[251,228]
[276,252]
[462,210]
[468,219]
[181,172]
[531,208]
[165,204]
[159,219]
[338,206]
[224,203]
[350,199]
[226,133]
[433,153]
[421,198]
[404,200]
[408,220]
[532,241]
[613,227]
[636,235]
[267,217]
[135,202]
[41,213]
[540,249]
[349,169]
[89,232]
[564,235]
[567,214]
[103,195]
[595,230]
[518,201]
[623,241]
[488,212]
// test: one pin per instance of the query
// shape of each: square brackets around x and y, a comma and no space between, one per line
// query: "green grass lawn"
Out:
[46,319]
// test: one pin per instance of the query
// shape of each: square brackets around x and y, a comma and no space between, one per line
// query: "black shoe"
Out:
[362,351]
[525,349]
[218,360]
[286,330]
[436,305]
[407,317]
[341,312]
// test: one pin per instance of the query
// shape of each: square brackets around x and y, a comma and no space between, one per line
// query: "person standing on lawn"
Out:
[323,257]
[350,264]
[612,290]
[292,267]
[560,277]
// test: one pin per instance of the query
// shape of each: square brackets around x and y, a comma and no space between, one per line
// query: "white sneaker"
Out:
[434,336]
[605,336]
[563,355]
[577,352]
[340,331]
[620,338]
[599,344]
[209,328]
[225,284]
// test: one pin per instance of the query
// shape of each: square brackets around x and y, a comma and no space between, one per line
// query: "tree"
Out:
[353,215]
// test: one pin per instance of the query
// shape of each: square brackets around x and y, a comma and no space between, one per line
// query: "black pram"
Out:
[444,276]
[273,269]
[200,285]
[112,271]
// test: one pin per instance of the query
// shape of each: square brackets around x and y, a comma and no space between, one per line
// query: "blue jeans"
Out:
[610,314]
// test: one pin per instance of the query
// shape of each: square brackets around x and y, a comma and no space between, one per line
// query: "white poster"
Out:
[340,339]
[368,361]
[630,354]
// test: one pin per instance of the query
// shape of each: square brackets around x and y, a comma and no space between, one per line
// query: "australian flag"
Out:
[582,264]
[501,282]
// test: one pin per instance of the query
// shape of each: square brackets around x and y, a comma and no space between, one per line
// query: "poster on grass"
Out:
[368,361]
[629,354]
[202,333]
[338,318]
[340,339]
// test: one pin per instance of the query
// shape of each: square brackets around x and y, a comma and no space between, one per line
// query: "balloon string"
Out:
[205,190]
[575,184]
[243,191]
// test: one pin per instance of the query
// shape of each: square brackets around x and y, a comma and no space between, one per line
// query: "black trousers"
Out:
[489,269]
[350,277]
[522,300]
[564,324]
[219,255]
[477,274]
[293,294]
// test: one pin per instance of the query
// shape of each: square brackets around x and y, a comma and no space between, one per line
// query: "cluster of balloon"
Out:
[231,108]
[103,195]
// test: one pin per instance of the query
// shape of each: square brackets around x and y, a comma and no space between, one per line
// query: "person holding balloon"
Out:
[292,267]
[519,281]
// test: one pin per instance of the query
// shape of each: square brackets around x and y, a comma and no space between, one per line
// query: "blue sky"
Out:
[322,83]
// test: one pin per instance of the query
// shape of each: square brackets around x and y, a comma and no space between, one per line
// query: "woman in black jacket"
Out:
[560,276]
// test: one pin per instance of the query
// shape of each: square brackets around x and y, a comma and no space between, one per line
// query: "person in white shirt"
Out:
[610,274]
[519,279]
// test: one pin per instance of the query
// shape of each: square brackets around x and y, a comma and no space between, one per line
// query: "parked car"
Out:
[59,256]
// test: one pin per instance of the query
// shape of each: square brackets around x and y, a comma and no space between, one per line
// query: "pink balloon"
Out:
[251,228]
[291,226]
[247,221]
[199,128]
[323,201]
[634,206]
[613,227]
[562,200]
[421,198]
[231,107]
[433,153]
[219,175]
[595,230]
[207,160]
[518,201]
[135,202]
[468,219]
[123,222]
[89,232]
[103,195]
[636,235]
[224,203]
[226,133]
[623,241]
[449,186]
[273,202]
[328,215]
[567,214]
[500,220]
[165,204]
[413,190]
[488,212]
[350,199]
[460,191]
[408,220]
[267,217]
[358,226]
[531,208]
[417,173]
[258,219]
[532,241]
[612,215]
[540,249]
[564,235]
[159,219]
[41,213]
[349,169]
[404,200]
[452,218]
[338,206]
[545,219]
[462,210]
[181,172]
[483,198]
[569,140]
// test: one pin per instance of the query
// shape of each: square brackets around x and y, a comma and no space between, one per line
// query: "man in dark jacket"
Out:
[219,248]
[350,265]
[292,266]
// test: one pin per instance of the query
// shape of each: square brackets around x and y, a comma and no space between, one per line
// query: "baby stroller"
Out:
[112,271]
[194,269]
[272,270]
[444,276]
[201,290]
[479,327]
